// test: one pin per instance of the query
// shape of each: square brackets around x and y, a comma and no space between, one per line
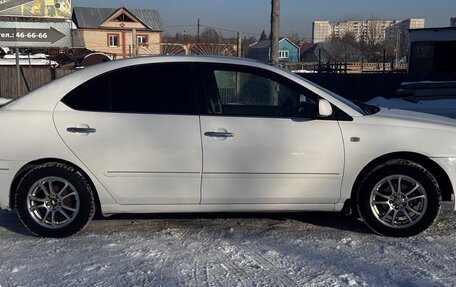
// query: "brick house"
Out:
[120,33]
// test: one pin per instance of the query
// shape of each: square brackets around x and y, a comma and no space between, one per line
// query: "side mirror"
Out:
[324,109]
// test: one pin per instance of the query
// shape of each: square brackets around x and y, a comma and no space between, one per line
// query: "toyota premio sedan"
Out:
[206,134]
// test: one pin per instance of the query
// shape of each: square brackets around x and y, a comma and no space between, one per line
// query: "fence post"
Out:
[53,74]
[319,60]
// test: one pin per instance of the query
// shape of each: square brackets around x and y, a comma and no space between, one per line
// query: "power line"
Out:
[194,27]
[179,26]
[216,28]
[232,31]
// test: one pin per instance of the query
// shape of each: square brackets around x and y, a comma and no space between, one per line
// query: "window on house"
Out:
[141,40]
[283,54]
[113,40]
[123,18]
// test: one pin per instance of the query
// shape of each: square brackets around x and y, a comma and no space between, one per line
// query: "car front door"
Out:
[263,142]
[138,131]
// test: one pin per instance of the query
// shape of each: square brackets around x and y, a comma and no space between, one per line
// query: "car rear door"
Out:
[138,131]
[262,141]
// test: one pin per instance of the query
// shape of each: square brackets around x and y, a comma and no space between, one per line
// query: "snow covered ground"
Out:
[442,107]
[310,249]
[4,101]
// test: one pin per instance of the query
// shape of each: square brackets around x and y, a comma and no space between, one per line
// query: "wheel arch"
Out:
[27,167]
[440,175]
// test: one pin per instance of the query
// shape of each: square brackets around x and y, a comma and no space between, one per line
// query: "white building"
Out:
[321,30]
[382,29]
[453,22]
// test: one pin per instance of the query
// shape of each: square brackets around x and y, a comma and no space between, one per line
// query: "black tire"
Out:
[78,195]
[378,216]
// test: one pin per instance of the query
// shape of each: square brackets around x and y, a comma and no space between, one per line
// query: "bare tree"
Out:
[210,35]
[246,42]
[294,37]
[343,48]
[374,38]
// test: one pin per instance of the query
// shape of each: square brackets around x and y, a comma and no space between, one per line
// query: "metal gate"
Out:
[199,49]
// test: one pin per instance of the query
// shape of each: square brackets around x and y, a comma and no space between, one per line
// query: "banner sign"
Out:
[35,34]
[60,9]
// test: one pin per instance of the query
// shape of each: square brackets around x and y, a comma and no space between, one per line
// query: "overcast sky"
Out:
[252,16]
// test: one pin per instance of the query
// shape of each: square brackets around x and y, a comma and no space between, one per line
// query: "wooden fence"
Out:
[357,87]
[363,87]
[31,78]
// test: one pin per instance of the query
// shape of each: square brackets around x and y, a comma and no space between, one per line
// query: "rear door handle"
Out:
[76,130]
[219,134]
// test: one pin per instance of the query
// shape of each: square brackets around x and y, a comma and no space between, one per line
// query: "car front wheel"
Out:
[54,200]
[399,198]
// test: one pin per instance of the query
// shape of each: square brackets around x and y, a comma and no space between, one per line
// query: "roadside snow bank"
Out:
[4,101]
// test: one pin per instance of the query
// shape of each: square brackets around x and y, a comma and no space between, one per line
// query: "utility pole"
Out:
[239,44]
[199,30]
[275,30]
[384,60]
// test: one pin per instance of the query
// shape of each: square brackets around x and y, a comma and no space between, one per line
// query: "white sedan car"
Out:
[206,134]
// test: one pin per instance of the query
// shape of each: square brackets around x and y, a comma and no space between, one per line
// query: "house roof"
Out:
[432,29]
[305,46]
[87,17]
[263,44]
[331,52]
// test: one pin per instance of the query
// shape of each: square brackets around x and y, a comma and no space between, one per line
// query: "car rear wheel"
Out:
[54,200]
[399,198]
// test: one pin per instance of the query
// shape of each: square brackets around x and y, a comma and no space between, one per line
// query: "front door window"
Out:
[249,94]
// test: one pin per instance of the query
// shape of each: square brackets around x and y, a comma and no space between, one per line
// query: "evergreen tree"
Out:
[263,36]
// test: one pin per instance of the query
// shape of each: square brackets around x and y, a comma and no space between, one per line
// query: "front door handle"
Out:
[76,130]
[219,134]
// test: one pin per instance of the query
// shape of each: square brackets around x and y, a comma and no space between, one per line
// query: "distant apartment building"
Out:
[321,30]
[383,29]
[453,22]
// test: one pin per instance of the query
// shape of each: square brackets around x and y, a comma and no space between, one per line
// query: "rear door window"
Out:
[92,96]
[154,89]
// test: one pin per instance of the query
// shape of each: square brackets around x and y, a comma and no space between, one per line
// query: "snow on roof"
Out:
[26,62]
